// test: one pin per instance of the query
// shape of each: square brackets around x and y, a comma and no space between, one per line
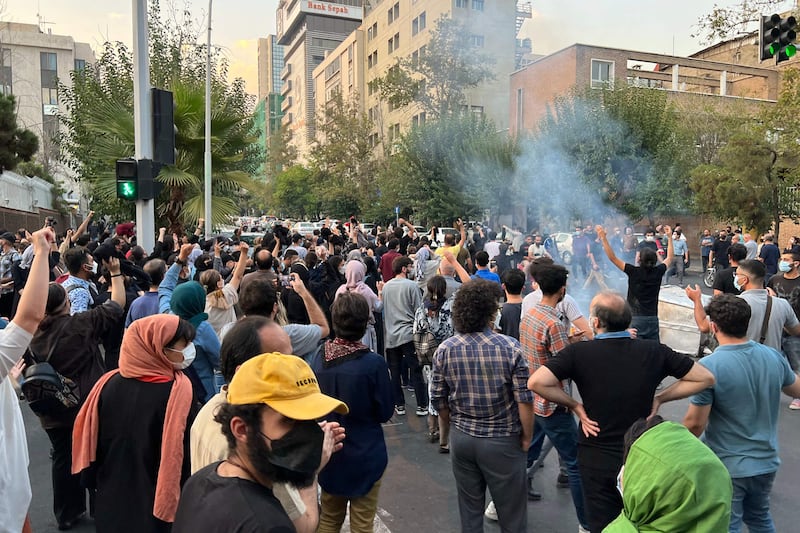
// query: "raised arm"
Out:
[670,246]
[315,313]
[34,297]
[601,233]
[241,265]
[82,228]
[460,226]
[700,317]
[463,275]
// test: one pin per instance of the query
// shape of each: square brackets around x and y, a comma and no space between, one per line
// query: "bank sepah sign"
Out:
[329,9]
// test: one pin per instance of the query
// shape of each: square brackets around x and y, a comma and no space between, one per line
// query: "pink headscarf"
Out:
[354,274]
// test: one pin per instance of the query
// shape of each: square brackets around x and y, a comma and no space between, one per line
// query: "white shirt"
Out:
[568,307]
[15,485]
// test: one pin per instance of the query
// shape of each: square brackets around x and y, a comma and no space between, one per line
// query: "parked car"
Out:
[564,243]
[303,228]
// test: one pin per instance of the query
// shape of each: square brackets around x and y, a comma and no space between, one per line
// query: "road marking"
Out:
[378,526]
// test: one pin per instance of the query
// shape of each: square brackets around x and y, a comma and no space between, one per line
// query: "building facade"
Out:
[309,30]
[536,87]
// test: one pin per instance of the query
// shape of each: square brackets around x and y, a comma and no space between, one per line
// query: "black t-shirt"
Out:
[212,503]
[643,286]
[647,244]
[510,316]
[617,379]
[723,281]
[788,289]
[720,249]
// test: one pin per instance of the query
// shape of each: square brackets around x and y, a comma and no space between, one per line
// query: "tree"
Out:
[623,147]
[16,144]
[292,194]
[438,77]
[724,23]
[342,157]
[99,123]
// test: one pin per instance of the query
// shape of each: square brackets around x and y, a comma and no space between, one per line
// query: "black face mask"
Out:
[293,459]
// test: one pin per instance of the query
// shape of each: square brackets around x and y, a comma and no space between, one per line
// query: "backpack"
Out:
[425,345]
[48,392]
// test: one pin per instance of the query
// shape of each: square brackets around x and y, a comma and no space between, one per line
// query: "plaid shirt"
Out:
[481,377]
[542,334]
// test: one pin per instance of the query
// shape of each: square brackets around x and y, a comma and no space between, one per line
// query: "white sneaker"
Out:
[491,512]
[582,529]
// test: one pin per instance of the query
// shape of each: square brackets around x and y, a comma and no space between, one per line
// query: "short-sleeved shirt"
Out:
[543,335]
[631,368]
[219,316]
[481,377]
[781,316]
[720,249]
[752,249]
[81,294]
[743,423]
[486,274]
[643,287]
[144,305]
[770,254]
[568,307]
[788,289]
[705,244]
[723,281]
[510,317]
[249,506]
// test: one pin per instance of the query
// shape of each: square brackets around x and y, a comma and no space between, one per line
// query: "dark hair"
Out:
[310,260]
[156,269]
[636,430]
[536,263]
[475,304]
[754,269]
[56,295]
[437,289]
[647,258]
[449,239]
[249,413]
[258,297]
[241,343]
[795,255]
[393,243]
[372,268]
[614,317]
[737,252]
[399,262]
[482,258]
[289,253]
[514,281]
[83,240]
[730,313]
[350,316]
[75,258]
[296,238]
[551,278]
[185,332]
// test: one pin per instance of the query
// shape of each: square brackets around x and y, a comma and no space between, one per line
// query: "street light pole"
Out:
[143,121]
[207,177]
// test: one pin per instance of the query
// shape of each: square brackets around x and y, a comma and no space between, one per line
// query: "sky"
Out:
[659,26]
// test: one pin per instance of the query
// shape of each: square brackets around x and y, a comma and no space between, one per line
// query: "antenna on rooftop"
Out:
[42,22]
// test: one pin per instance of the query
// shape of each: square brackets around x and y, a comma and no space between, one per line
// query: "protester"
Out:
[220,296]
[132,430]
[355,272]
[351,371]
[270,424]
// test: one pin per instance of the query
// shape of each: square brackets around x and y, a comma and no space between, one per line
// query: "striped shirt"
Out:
[542,334]
[481,377]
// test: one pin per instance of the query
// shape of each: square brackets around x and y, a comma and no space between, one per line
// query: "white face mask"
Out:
[189,353]
[619,480]
[94,267]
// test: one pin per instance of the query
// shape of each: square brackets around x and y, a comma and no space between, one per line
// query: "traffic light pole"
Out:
[143,119]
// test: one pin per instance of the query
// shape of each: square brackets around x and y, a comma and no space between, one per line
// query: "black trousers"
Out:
[69,497]
[599,469]
[395,357]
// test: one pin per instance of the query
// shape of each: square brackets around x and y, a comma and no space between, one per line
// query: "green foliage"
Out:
[624,144]
[99,123]
[281,153]
[450,168]
[438,78]
[16,144]
[293,193]
[724,23]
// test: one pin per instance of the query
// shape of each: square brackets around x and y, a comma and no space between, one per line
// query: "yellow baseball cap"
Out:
[284,382]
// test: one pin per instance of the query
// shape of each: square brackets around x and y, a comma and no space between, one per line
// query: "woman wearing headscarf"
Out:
[355,271]
[352,372]
[671,481]
[71,344]
[188,301]
[221,296]
[131,434]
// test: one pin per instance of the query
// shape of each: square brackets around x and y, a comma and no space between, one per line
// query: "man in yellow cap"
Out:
[270,422]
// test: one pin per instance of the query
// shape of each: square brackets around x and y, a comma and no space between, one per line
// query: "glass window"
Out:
[6,74]
[80,65]
[461,3]
[477,5]
[602,74]
[49,60]
[422,22]
[476,40]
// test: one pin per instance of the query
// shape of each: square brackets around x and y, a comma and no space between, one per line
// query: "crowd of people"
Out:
[211,374]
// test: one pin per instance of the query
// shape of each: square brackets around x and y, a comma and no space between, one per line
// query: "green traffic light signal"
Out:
[126,190]
[790,50]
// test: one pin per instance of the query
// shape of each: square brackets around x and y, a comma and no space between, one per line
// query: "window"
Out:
[477,5]
[333,68]
[602,74]
[394,43]
[49,69]
[372,59]
[418,24]
[394,12]
[476,40]
[477,110]
[520,109]
[461,3]
[6,85]
[418,120]
[80,65]
[372,32]
[394,132]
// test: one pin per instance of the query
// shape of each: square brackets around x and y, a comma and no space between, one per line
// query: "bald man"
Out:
[249,337]
[617,377]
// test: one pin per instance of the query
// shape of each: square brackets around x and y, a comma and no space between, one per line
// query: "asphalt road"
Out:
[418,491]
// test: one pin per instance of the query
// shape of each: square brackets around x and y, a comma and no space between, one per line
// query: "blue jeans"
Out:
[790,345]
[646,327]
[561,429]
[751,504]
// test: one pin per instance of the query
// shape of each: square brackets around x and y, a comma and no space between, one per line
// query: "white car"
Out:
[303,228]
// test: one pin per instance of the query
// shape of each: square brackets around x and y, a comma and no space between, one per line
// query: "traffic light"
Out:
[127,179]
[776,38]
[163,126]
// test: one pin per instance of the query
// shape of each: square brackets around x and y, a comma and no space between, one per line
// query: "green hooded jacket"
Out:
[673,483]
